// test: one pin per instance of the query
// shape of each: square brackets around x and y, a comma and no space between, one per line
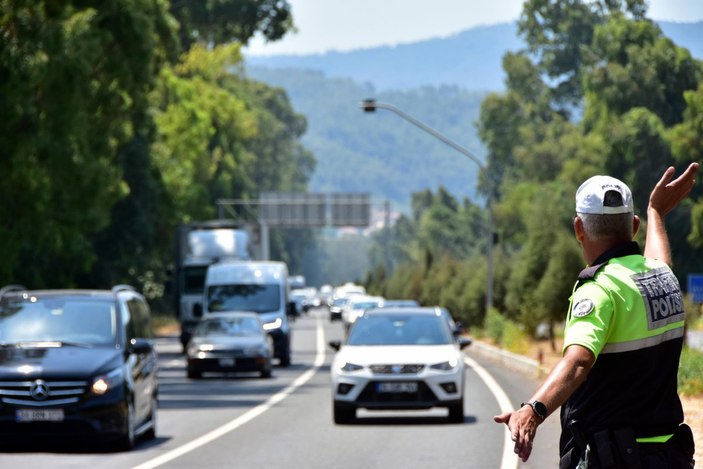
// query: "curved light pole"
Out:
[370,105]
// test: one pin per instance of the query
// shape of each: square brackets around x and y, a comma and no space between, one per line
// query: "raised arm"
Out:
[665,196]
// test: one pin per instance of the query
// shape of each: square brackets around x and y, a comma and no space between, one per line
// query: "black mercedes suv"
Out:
[77,363]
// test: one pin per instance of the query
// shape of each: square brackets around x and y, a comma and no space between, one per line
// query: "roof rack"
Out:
[11,288]
[123,287]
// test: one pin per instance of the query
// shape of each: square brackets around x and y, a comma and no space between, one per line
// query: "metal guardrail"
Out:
[510,359]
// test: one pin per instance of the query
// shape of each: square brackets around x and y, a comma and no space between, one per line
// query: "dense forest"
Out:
[123,119]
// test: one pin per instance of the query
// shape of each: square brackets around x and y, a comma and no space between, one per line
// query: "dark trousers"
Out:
[618,449]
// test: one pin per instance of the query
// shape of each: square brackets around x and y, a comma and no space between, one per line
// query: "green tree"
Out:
[632,64]
[686,141]
[554,288]
[200,129]
[224,21]
[74,73]
[557,30]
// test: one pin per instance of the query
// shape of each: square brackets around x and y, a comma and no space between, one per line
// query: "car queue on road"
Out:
[59,377]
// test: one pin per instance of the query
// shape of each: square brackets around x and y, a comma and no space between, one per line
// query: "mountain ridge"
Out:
[471,58]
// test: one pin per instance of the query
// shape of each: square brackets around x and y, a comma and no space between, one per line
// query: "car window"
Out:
[140,318]
[257,298]
[78,320]
[194,279]
[396,329]
[127,322]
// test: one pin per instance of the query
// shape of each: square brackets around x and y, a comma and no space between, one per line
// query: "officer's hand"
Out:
[522,425]
[667,194]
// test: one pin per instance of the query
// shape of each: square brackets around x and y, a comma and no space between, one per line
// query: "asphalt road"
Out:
[244,421]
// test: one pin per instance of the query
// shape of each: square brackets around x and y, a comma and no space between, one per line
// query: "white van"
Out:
[258,286]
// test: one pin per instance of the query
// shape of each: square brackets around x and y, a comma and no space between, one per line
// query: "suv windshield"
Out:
[396,329]
[87,321]
[257,298]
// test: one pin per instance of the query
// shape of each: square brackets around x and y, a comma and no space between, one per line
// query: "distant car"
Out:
[297,296]
[76,364]
[356,306]
[398,303]
[305,299]
[336,307]
[349,289]
[230,342]
[398,358]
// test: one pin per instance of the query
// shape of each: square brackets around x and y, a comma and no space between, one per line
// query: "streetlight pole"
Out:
[370,105]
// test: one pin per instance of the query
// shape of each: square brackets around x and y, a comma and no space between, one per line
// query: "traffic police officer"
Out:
[617,380]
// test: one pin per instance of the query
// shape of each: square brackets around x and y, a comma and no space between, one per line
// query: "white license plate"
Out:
[227,361]
[396,387]
[39,415]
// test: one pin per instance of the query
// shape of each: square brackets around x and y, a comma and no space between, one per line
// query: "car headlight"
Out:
[273,325]
[107,382]
[199,350]
[446,366]
[350,367]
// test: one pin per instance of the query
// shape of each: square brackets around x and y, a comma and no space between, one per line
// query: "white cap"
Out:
[590,197]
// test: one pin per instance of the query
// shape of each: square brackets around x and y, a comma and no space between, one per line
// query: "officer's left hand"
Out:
[667,193]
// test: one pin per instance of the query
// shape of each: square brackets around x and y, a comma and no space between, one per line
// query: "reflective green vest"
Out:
[628,311]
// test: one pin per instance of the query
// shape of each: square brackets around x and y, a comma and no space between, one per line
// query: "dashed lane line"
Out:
[247,416]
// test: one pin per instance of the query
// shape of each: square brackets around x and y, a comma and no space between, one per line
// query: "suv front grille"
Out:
[40,393]
[410,369]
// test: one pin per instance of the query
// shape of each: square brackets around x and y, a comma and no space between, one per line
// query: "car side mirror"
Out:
[464,342]
[140,346]
[197,310]
[335,345]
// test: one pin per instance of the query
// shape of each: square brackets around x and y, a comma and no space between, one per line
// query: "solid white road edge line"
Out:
[509,459]
[247,416]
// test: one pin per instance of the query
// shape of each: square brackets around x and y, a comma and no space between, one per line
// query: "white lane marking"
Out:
[173,363]
[247,416]
[509,459]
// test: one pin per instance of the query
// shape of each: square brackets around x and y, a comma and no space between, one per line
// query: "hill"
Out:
[471,59]
[381,153]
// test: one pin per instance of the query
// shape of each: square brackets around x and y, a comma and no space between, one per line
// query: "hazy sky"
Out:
[341,25]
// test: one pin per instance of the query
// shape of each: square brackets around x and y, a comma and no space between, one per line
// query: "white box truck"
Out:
[258,286]
[198,245]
